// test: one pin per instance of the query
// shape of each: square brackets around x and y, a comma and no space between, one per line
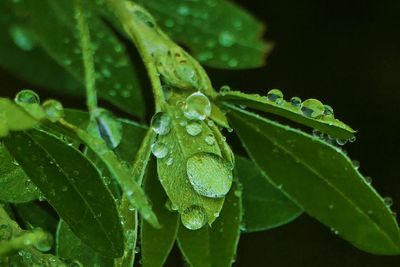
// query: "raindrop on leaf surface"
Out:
[295,101]
[53,109]
[275,95]
[226,39]
[193,128]
[159,150]
[197,106]
[160,123]
[209,174]
[312,108]
[194,217]
[27,96]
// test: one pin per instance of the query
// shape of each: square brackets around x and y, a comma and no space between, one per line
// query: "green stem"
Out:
[87,56]
[121,9]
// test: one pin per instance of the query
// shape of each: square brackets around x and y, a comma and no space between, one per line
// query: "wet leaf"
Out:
[325,123]
[12,179]
[156,244]
[216,245]
[322,180]
[69,246]
[19,46]
[180,145]
[218,33]
[14,118]
[72,185]
[264,205]
[53,24]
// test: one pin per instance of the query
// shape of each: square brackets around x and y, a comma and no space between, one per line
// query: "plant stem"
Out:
[87,56]
[122,10]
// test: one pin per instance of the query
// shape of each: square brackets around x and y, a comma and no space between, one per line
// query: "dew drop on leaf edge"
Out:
[27,96]
[53,109]
[194,217]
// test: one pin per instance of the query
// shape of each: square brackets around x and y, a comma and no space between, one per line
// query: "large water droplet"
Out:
[193,128]
[159,150]
[209,174]
[160,123]
[197,106]
[27,96]
[312,108]
[53,109]
[226,39]
[194,217]
[275,95]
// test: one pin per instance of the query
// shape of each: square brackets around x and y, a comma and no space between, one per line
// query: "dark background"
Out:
[346,54]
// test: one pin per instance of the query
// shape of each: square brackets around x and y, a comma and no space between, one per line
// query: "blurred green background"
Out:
[346,54]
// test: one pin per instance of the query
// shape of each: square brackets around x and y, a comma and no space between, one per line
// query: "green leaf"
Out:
[21,55]
[264,205]
[172,168]
[216,245]
[12,179]
[322,180]
[69,246]
[37,215]
[325,123]
[117,81]
[218,33]
[14,118]
[157,243]
[72,185]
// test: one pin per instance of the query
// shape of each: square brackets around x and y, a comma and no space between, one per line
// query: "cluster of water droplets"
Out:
[161,125]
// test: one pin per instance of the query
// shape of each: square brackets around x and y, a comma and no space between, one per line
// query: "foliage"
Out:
[94,182]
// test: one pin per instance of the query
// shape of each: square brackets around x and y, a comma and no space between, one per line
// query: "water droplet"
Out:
[53,109]
[224,89]
[356,164]
[197,106]
[106,125]
[312,108]
[209,174]
[183,10]
[193,128]
[295,101]
[27,96]
[45,243]
[328,111]
[159,150]
[22,38]
[194,217]
[64,188]
[160,123]
[275,95]
[318,133]
[341,142]
[210,140]
[388,201]
[368,179]
[169,161]
[226,39]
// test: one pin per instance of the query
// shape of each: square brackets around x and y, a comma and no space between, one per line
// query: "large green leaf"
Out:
[218,32]
[22,56]
[291,110]
[53,23]
[73,186]
[264,205]
[322,180]
[172,168]
[69,246]
[157,243]
[216,245]
[12,179]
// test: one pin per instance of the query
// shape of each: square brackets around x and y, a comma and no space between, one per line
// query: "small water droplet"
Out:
[194,217]
[210,140]
[22,38]
[341,142]
[312,108]
[160,123]
[197,106]
[388,201]
[224,89]
[159,150]
[356,164]
[169,161]
[328,111]
[64,188]
[226,39]
[295,101]
[193,128]
[209,174]
[368,179]
[183,10]
[275,95]
[53,109]
[27,96]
